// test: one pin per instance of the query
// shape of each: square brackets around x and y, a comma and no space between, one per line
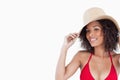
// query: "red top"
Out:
[86,75]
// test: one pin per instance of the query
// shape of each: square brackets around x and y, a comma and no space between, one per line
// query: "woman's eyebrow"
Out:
[97,26]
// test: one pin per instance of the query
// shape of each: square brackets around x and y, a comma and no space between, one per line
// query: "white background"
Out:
[32,32]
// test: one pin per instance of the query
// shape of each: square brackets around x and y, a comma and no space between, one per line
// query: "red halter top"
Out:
[86,75]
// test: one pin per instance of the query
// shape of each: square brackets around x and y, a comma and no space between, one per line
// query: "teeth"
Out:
[94,39]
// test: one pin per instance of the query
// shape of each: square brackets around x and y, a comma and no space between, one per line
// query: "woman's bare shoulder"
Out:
[83,54]
[83,57]
[116,54]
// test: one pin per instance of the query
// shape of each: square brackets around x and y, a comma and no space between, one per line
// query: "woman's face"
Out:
[94,34]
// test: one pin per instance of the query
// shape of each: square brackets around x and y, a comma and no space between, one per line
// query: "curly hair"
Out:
[110,33]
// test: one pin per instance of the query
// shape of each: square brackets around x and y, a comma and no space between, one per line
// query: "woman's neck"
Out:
[100,52]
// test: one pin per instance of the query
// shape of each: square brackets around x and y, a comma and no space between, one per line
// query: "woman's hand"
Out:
[70,39]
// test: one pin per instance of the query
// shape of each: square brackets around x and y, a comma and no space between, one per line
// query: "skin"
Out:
[99,64]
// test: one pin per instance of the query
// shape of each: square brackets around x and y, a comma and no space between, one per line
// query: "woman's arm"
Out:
[64,72]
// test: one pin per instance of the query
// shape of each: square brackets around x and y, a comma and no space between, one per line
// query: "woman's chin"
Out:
[93,45]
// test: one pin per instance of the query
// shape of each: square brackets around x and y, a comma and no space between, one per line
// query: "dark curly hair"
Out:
[110,33]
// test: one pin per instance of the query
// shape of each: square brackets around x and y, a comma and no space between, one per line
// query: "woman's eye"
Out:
[96,29]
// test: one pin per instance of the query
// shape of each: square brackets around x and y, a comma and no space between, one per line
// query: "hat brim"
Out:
[99,18]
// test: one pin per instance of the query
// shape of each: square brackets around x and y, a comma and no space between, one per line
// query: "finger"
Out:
[74,35]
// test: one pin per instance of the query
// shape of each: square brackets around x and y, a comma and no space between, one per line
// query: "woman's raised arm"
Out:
[64,72]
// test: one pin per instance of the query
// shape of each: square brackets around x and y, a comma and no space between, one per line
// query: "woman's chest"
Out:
[100,69]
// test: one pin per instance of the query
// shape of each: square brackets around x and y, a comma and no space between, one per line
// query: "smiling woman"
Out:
[100,34]
[103,28]
[99,37]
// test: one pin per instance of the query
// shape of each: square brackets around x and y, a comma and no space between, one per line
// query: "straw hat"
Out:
[94,14]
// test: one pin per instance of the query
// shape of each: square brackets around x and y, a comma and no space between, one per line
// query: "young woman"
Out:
[99,37]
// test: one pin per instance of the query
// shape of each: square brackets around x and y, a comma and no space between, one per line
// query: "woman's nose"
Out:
[91,33]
